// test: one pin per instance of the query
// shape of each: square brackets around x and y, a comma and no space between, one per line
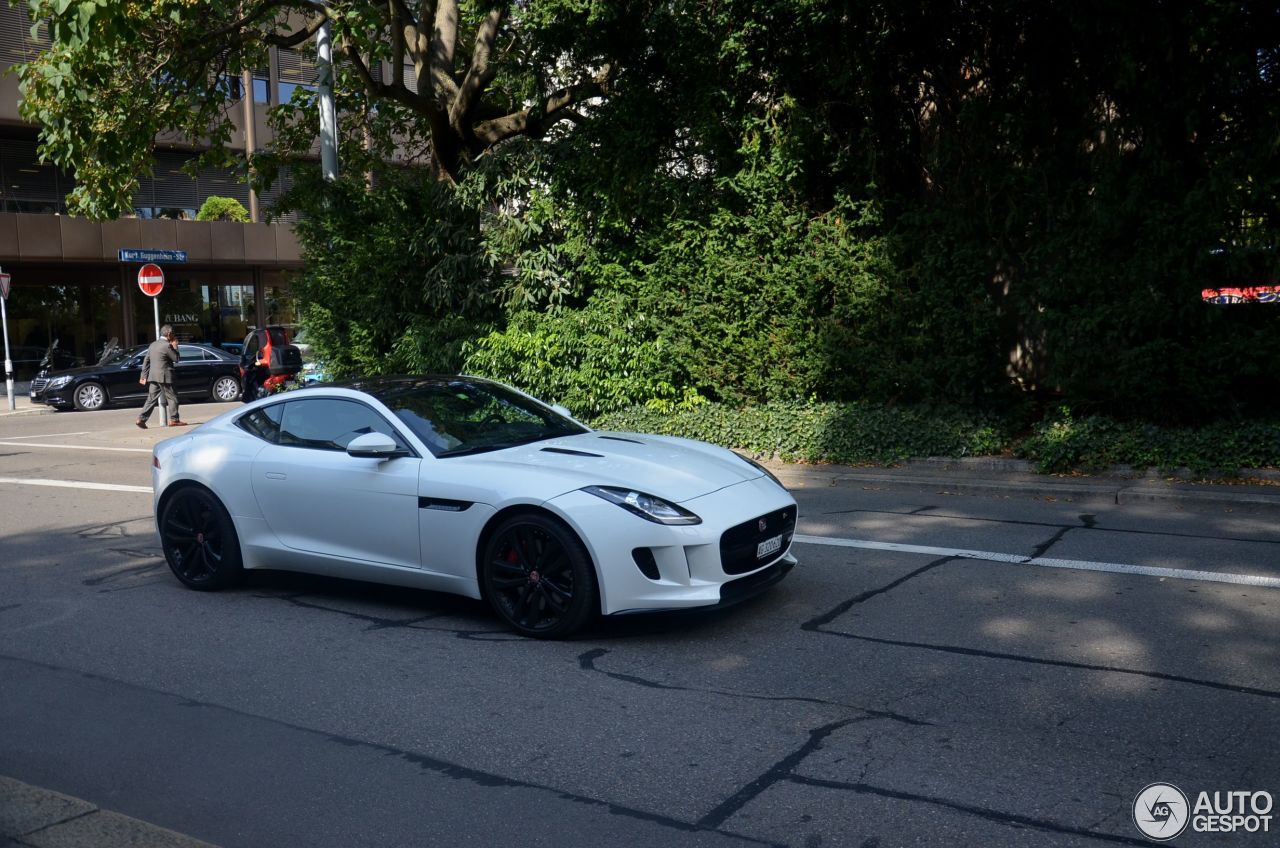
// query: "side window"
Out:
[330,424]
[186,353]
[263,423]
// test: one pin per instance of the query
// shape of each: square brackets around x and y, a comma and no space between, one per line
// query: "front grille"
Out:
[38,384]
[738,544]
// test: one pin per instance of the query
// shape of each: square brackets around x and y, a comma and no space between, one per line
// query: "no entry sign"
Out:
[151,280]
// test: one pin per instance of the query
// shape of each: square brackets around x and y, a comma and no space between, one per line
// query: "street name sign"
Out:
[130,254]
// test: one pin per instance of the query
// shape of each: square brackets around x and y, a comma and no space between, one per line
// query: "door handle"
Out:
[276,475]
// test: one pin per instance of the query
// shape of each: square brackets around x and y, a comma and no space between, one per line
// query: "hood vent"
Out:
[621,439]
[571,452]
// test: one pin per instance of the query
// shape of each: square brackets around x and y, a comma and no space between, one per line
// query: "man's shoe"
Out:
[141,424]
[176,423]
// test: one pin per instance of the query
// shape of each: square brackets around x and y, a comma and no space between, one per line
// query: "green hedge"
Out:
[864,433]
[1093,443]
[848,433]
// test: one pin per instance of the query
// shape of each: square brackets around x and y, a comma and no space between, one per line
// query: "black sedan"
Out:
[202,372]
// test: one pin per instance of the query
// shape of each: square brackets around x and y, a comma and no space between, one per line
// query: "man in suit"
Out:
[157,376]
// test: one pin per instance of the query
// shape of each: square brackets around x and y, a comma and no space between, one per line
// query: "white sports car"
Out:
[464,485]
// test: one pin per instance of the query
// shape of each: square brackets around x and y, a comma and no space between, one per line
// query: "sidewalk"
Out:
[995,476]
[32,817]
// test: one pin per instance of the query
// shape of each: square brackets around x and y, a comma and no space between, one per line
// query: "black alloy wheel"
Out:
[199,540]
[538,577]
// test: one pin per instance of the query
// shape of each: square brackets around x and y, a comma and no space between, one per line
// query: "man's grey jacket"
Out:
[161,359]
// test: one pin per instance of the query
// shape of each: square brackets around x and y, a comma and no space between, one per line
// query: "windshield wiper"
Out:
[467,451]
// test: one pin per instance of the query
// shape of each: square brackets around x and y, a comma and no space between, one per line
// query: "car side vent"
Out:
[571,452]
[621,439]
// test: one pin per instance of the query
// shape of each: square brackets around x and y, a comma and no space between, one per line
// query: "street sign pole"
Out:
[4,320]
[151,281]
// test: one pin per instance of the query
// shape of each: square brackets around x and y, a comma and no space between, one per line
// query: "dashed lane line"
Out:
[1049,562]
[75,484]
[73,447]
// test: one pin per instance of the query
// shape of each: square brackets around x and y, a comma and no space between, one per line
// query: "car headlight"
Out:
[59,382]
[760,467]
[647,507]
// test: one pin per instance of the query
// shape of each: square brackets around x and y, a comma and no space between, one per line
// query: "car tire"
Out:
[537,576]
[90,396]
[225,389]
[199,540]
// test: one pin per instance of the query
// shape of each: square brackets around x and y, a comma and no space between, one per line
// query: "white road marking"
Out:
[74,447]
[75,484]
[50,435]
[1049,562]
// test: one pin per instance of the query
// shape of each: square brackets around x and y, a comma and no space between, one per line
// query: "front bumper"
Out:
[687,558]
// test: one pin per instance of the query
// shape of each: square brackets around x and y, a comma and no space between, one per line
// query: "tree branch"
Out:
[540,117]
[294,39]
[444,43]
[479,73]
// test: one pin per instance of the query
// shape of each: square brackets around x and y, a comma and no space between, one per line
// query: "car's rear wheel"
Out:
[199,539]
[538,577]
[90,396]
[225,389]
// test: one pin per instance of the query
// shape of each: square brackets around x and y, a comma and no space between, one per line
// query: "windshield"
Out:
[121,355]
[460,416]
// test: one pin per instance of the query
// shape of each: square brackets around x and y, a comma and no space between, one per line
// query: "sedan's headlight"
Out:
[647,507]
[59,382]
[760,467]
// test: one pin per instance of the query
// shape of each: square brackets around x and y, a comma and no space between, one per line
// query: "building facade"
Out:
[69,286]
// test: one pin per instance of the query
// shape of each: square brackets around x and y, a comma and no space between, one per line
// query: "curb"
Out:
[41,818]
[1001,480]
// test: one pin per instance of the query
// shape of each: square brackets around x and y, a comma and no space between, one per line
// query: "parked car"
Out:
[202,372]
[464,485]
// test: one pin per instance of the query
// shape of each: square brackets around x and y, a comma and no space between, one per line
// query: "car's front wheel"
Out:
[90,396]
[538,577]
[200,542]
[225,389]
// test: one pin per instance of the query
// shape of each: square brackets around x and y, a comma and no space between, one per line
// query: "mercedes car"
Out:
[202,372]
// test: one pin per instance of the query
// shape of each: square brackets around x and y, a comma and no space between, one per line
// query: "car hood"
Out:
[674,469]
[80,372]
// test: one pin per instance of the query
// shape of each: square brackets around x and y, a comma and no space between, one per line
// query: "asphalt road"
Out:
[1013,673]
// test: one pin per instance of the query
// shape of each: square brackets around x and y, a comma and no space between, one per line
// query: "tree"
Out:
[217,208]
[464,76]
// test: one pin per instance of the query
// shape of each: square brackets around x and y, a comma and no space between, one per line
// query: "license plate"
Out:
[768,546]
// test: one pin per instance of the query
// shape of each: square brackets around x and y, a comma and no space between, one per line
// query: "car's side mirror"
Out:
[563,410]
[375,446]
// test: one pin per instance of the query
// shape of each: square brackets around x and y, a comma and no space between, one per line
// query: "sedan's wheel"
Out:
[90,396]
[538,577]
[199,540]
[226,389]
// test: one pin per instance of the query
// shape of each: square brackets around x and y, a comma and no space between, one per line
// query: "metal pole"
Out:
[164,406]
[250,137]
[328,117]
[8,363]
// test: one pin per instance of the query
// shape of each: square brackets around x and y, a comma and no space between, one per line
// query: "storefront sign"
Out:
[128,254]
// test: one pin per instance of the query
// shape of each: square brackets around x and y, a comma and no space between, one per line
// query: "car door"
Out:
[317,498]
[192,374]
[121,380]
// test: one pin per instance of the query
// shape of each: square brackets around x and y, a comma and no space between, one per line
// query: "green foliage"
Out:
[1065,443]
[381,298]
[848,433]
[217,208]
[593,360]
